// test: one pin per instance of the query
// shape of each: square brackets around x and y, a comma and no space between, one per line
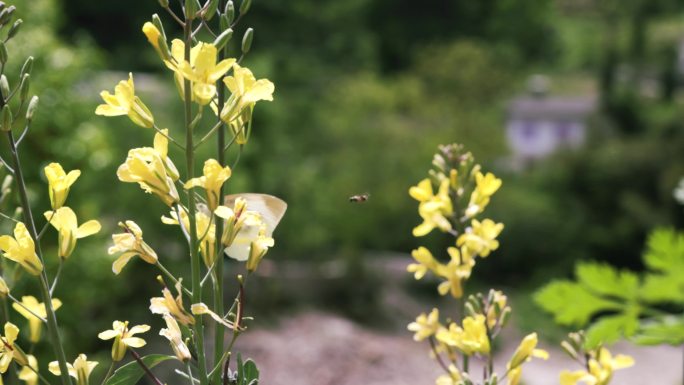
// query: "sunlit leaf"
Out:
[131,373]
[606,280]
[572,304]
[610,329]
[665,330]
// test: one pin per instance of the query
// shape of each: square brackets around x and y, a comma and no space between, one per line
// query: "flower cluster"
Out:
[597,363]
[238,226]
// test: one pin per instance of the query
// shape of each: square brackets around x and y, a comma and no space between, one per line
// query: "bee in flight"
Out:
[359,198]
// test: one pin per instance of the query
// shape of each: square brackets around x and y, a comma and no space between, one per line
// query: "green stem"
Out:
[194,249]
[218,264]
[109,373]
[53,329]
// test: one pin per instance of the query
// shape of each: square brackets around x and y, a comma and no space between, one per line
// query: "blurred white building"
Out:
[537,125]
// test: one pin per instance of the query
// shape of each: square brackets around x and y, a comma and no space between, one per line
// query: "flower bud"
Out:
[6,184]
[158,23]
[244,7]
[27,67]
[191,9]
[24,87]
[164,3]
[210,9]
[6,119]
[223,39]
[229,11]
[4,289]
[14,29]
[2,5]
[3,53]
[6,14]
[4,87]
[33,105]
[569,349]
[247,40]
[224,23]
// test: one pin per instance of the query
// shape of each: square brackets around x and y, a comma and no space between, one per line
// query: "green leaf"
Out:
[131,373]
[665,330]
[606,280]
[609,329]
[663,288]
[572,304]
[665,251]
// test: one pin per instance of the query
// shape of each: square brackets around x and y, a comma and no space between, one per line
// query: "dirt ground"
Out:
[315,348]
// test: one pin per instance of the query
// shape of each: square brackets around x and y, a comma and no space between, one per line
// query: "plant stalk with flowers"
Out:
[462,195]
[208,81]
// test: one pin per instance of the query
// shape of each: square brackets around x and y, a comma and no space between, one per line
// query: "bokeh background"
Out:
[576,104]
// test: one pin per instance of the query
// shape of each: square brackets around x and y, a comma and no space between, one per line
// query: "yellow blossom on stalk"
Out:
[170,305]
[258,248]
[453,378]
[425,326]
[206,231]
[245,90]
[202,69]
[153,34]
[456,271]
[130,243]
[59,183]
[9,350]
[470,339]
[28,375]
[125,102]
[151,171]
[514,376]
[480,238]
[161,146]
[212,180]
[123,338]
[64,220]
[234,219]
[37,308]
[525,352]
[601,368]
[201,308]
[4,289]
[173,333]
[499,301]
[434,209]
[426,262]
[80,370]
[21,249]
[485,187]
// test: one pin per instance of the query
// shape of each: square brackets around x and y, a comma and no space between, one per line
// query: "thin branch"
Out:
[145,368]
[168,137]
[45,226]
[26,308]
[8,217]
[59,272]
[4,163]
[175,17]
[23,133]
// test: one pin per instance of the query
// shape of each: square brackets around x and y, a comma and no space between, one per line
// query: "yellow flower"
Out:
[514,376]
[201,308]
[426,262]
[526,351]
[480,238]
[173,333]
[234,219]
[64,220]
[161,146]
[453,378]
[9,350]
[130,243]
[125,102]
[425,326]
[59,183]
[485,187]
[212,180]
[37,308]
[205,228]
[153,34]
[123,338]
[27,374]
[601,368]
[470,339]
[4,289]
[21,249]
[434,209]
[202,69]
[454,272]
[150,168]
[245,90]
[170,305]
[258,248]
[80,370]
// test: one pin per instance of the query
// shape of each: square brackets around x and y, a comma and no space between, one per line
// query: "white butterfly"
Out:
[270,208]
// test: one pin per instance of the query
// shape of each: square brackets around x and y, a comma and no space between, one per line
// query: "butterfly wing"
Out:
[272,209]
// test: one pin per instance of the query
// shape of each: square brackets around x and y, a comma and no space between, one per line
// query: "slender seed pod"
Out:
[158,23]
